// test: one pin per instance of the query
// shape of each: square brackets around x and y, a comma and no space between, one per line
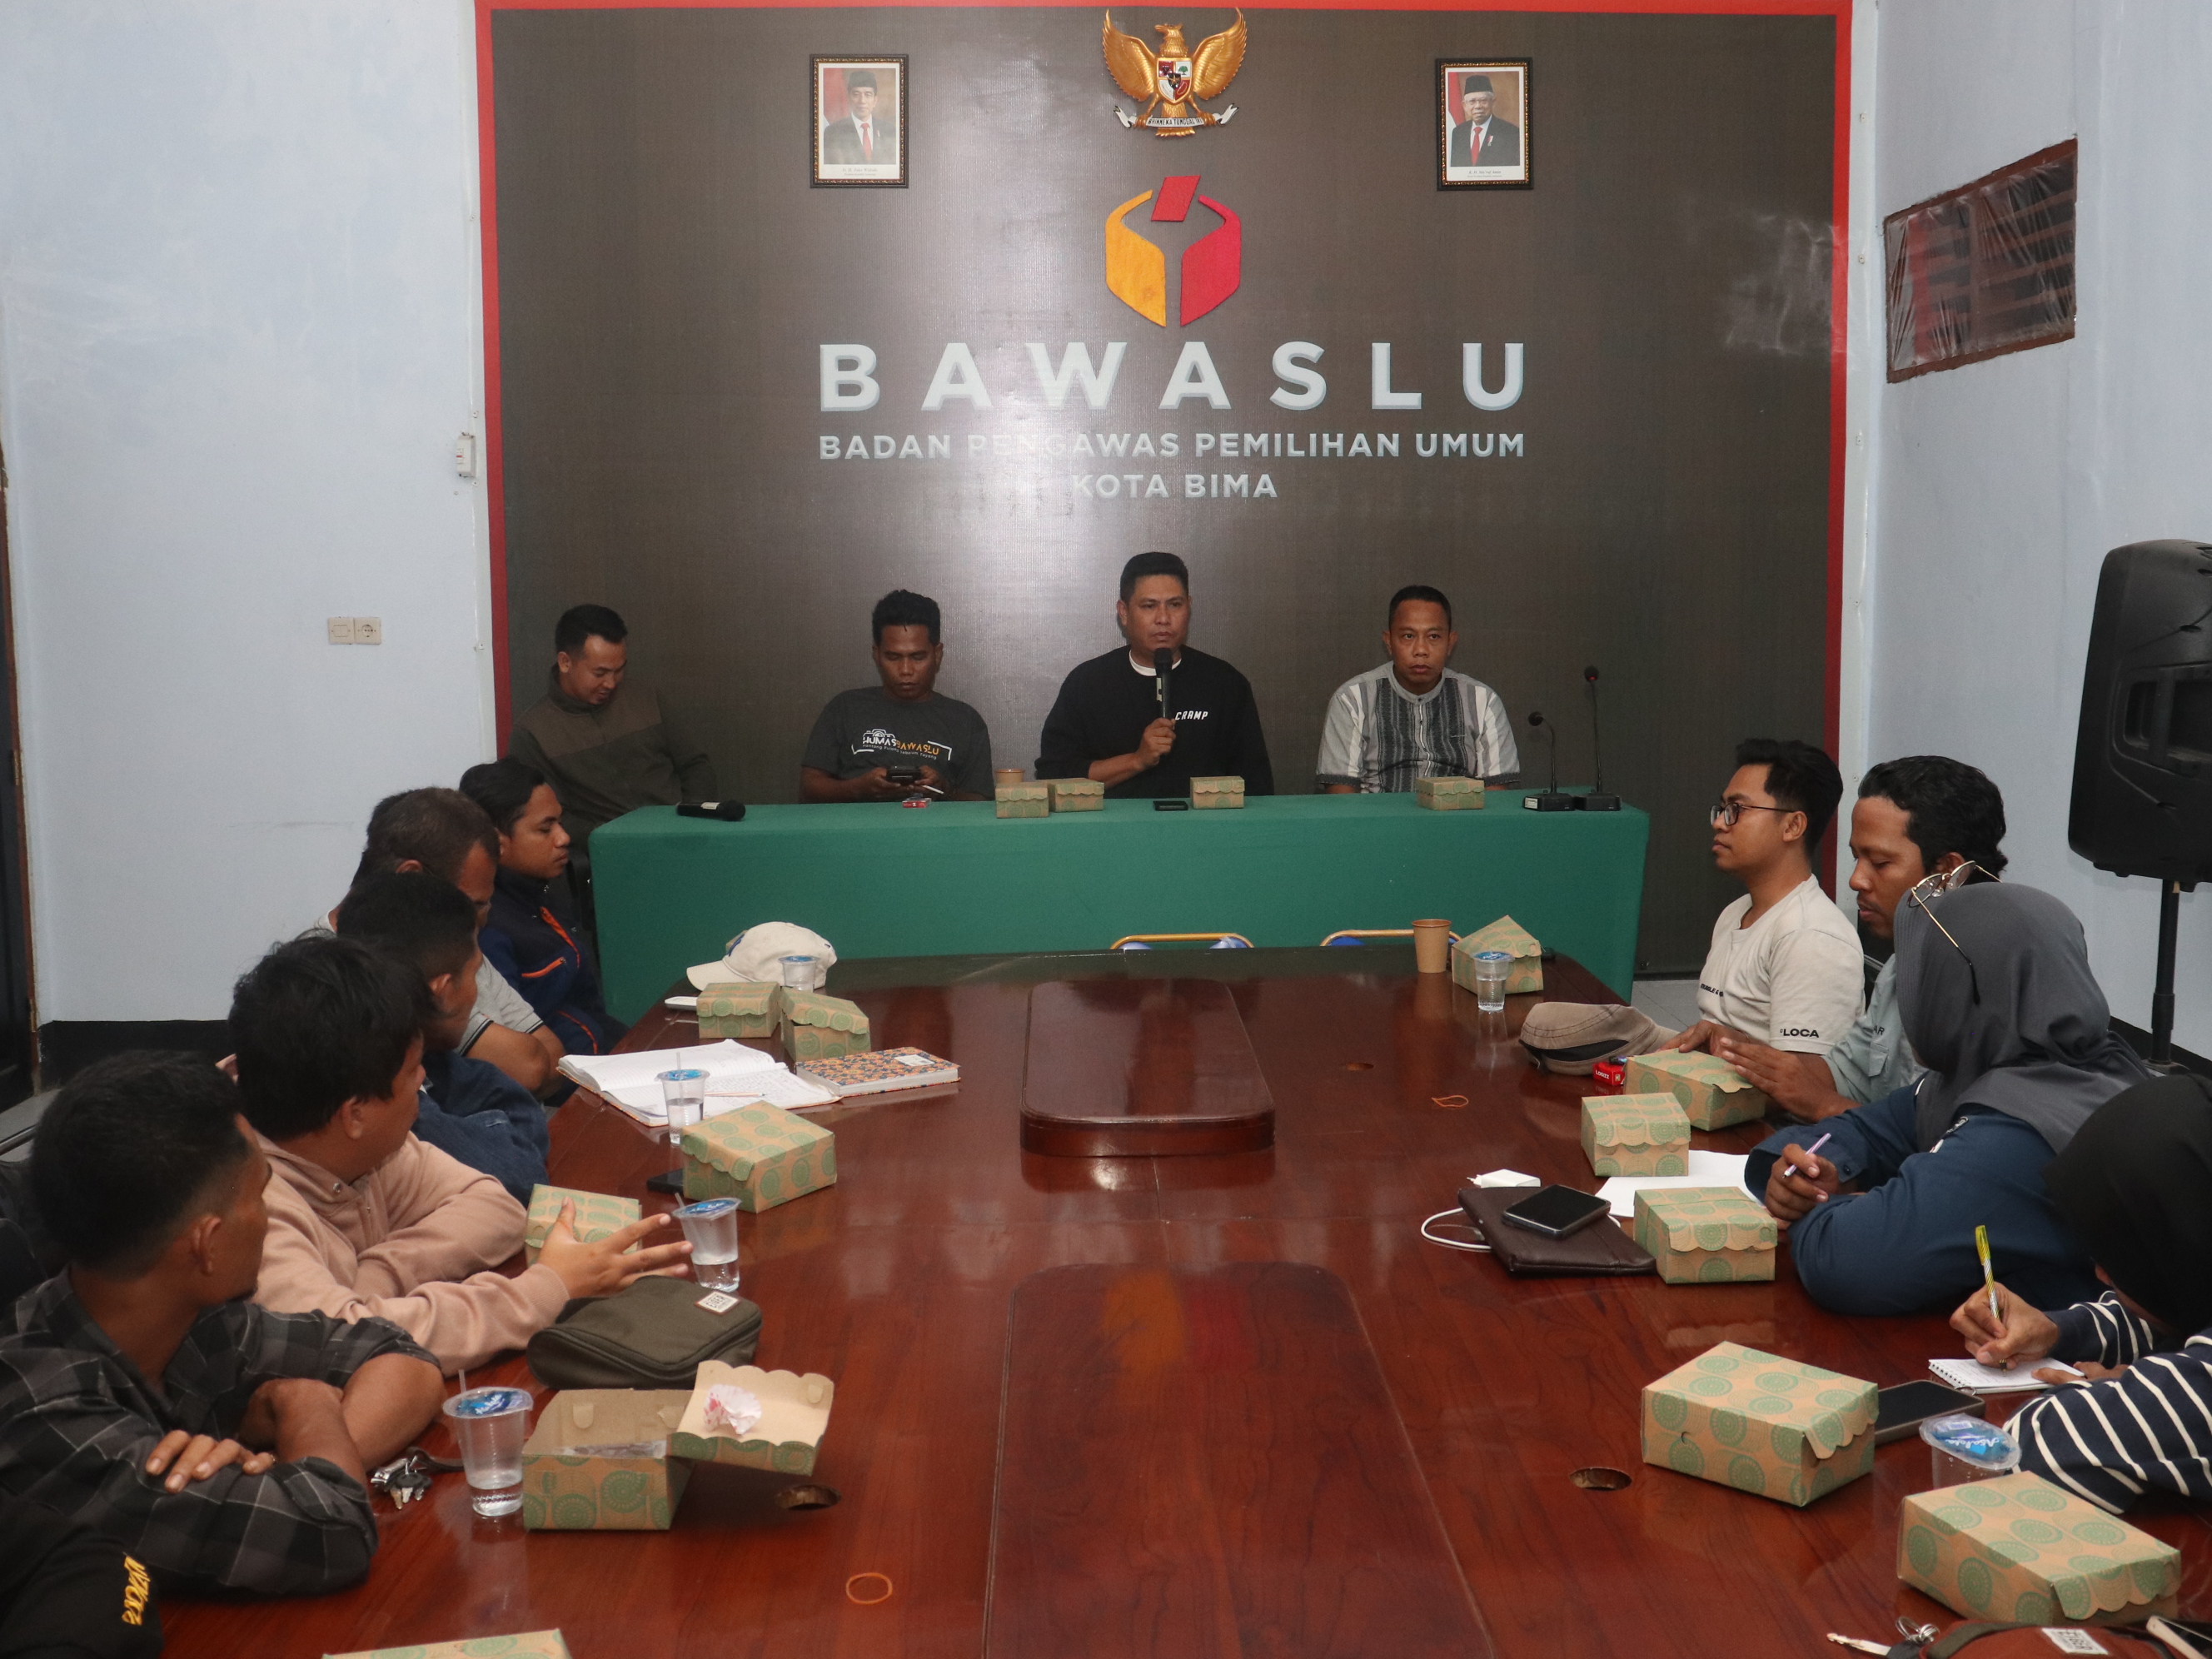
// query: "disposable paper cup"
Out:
[1006,775]
[683,1093]
[712,1229]
[491,1425]
[1432,946]
[1491,968]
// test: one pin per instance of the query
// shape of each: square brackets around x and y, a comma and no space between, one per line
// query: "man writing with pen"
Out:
[1119,721]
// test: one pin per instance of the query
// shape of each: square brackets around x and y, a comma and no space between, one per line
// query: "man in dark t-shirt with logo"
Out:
[1115,723]
[888,742]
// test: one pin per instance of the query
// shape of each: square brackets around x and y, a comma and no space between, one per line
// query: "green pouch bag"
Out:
[650,1335]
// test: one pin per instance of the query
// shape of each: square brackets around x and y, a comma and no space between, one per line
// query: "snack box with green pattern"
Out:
[597,1460]
[1635,1135]
[819,1026]
[1777,1427]
[760,1155]
[1449,794]
[2018,1550]
[599,1215]
[1526,971]
[1713,1093]
[1023,800]
[1214,795]
[737,1009]
[1706,1235]
[530,1645]
[794,1416]
[1076,794]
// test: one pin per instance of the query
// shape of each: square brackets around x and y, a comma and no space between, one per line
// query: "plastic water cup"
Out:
[1964,1447]
[799,974]
[1431,947]
[491,1425]
[711,1227]
[683,1093]
[1491,968]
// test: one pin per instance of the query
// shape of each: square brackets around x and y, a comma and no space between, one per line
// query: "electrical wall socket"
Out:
[369,630]
[340,630]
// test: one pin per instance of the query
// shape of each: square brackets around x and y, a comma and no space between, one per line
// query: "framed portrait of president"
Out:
[1482,125]
[859,122]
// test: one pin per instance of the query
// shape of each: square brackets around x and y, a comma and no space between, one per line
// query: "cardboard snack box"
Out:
[530,1645]
[818,1026]
[599,1215]
[1706,1235]
[1635,1135]
[1076,795]
[737,1010]
[1022,800]
[597,1460]
[1527,971]
[1761,1424]
[794,1416]
[2018,1549]
[1211,794]
[1712,1092]
[1449,794]
[760,1155]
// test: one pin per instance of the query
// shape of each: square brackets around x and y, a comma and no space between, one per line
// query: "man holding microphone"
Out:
[1119,721]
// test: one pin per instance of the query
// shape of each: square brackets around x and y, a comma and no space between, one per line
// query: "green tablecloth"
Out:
[952,877]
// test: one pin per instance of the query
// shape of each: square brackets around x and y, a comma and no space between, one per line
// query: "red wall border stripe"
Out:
[1839,216]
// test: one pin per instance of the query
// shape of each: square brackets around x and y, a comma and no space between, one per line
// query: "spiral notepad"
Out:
[1977,1378]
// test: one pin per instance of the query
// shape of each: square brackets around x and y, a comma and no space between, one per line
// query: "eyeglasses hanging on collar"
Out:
[1929,889]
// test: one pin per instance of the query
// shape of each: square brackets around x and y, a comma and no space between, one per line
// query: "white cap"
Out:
[756,955]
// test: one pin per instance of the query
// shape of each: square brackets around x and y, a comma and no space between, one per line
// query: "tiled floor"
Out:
[1672,1002]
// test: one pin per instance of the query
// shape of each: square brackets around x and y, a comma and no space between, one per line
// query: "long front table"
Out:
[952,878]
[905,1283]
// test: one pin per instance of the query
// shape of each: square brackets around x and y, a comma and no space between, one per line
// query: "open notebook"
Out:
[1974,1377]
[735,1076]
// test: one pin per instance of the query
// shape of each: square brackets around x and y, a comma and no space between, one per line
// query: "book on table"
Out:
[879,1072]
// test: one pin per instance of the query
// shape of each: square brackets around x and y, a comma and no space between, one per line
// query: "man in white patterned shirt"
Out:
[1414,717]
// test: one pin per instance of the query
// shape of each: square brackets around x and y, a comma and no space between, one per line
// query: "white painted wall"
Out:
[238,336]
[1999,487]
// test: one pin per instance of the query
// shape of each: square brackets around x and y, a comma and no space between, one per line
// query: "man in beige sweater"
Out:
[365,1219]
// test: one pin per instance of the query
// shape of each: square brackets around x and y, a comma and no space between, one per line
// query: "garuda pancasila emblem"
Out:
[1172,80]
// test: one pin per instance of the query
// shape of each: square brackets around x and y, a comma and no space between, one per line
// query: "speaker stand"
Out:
[2161,994]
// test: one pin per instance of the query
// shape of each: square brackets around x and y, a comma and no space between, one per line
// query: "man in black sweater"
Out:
[1112,723]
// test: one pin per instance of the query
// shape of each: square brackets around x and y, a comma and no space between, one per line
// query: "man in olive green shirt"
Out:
[606,744]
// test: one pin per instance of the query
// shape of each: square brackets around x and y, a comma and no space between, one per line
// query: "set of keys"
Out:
[407,1477]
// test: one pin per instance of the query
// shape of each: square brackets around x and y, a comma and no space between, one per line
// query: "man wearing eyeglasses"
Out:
[1784,969]
[1923,822]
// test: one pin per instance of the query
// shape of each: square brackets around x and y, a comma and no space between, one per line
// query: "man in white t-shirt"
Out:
[1784,969]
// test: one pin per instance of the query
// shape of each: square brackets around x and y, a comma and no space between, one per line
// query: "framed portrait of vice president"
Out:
[1483,117]
[859,121]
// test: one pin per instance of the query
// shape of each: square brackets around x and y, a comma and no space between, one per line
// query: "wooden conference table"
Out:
[886,880]
[910,1282]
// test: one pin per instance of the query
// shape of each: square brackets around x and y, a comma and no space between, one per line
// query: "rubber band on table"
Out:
[1450,1102]
[869,1600]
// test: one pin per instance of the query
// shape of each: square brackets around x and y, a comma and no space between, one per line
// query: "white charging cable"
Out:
[1452,1244]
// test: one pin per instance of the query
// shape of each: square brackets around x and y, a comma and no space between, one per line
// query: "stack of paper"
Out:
[735,1076]
[1706,1170]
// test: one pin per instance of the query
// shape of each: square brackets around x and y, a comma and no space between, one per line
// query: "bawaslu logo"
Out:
[1136,270]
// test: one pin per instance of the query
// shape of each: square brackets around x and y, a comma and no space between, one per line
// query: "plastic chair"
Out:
[1146,941]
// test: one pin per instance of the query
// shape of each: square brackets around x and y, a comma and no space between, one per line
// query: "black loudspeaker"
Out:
[2143,758]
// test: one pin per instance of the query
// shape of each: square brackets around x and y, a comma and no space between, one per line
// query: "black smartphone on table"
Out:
[1900,1411]
[1557,1211]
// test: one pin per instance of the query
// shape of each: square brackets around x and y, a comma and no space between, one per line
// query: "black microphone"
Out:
[1551,799]
[1598,800]
[1162,662]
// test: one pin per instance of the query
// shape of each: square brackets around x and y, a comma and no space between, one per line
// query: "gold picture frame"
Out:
[1492,97]
[860,112]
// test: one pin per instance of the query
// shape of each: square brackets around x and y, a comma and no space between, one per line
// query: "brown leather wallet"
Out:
[1599,1248]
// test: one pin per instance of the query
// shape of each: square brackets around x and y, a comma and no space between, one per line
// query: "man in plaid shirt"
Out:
[225,1446]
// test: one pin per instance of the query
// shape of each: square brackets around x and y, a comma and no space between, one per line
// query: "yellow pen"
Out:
[1989,1273]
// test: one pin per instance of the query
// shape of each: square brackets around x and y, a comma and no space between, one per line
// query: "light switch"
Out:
[369,630]
[340,628]
[465,455]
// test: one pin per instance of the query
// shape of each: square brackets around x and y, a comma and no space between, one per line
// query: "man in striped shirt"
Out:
[2132,1185]
[1414,717]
